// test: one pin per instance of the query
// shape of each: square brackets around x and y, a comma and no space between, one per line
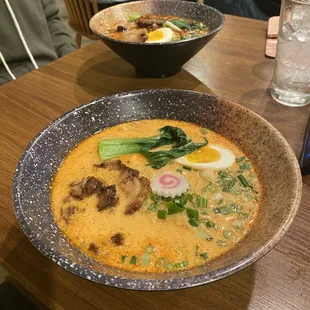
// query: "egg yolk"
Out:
[155,35]
[204,155]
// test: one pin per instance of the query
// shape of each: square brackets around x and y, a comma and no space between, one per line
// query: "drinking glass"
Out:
[291,81]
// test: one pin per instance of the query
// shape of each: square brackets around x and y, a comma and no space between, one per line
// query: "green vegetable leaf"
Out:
[133,17]
[110,148]
[181,24]
[159,159]
[204,255]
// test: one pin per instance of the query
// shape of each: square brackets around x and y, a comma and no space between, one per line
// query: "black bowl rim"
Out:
[159,43]
[154,285]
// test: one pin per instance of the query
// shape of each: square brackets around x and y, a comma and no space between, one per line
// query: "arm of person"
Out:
[62,41]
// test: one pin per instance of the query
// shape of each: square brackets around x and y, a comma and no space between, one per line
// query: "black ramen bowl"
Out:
[157,59]
[272,157]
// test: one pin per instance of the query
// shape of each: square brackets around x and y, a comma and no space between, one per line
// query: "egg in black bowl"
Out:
[159,58]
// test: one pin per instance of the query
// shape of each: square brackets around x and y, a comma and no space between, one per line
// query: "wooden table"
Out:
[232,66]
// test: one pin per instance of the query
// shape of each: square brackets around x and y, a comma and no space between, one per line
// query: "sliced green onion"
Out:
[162,214]
[203,235]
[123,258]
[203,131]
[153,207]
[185,198]
[243,181]
[172,26]
[180,171]
[146,259]
[223,210]
[149,249]
[193,222]
[227,233]
[238,225]
[169,266]
[222,243]
[240,159]
[187,168]
[243,215]
[204,255]
[161,262]
[210,224]
[192,213]
[180,264]
[133,260]
[196,252]
[134,16]
[173,208]
[194,197]
[201,202]
[244,166]
[155,198]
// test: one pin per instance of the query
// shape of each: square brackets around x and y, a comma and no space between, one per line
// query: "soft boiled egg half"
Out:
[160,35]
[208,157]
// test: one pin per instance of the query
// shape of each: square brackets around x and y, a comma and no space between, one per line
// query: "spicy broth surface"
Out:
[171,243]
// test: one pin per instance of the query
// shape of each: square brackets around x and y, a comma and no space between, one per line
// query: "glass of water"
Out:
[291,81]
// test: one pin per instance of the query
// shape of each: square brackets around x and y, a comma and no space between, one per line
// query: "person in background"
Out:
[31,36]
[257,9]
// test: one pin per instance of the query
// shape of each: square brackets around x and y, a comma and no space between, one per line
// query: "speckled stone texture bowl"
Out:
[157,59]
[273,158]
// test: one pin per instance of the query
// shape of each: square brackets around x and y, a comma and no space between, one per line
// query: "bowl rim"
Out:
[214,31]
[161,284]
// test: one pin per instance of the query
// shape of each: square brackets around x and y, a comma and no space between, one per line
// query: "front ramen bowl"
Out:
[272,156]
[157,59]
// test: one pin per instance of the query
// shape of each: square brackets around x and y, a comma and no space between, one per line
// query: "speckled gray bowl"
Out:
[265,146]
[158,59]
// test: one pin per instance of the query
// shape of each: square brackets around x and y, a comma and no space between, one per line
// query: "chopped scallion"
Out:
[240,159]
[193,222]
[162,214]
[222,243]
[149,249]
[153,207]
[133,17]
[133,260]
[243,181]
[210,224]
[204,255]
[201,202]
[227,233]
[173,208]
[196,252]
[187,168]
[180,264]
[203,131]
[123,258]
[192,213]
[238,225]
[180,171]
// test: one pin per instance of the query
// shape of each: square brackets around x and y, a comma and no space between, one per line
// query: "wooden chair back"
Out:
[80,12]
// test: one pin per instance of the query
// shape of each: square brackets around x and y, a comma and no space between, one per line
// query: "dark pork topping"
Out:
[107,197]
[118,239]
[85,187]
[93,248]
[136,188]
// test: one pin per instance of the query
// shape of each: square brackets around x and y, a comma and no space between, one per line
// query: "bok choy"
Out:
[168,135]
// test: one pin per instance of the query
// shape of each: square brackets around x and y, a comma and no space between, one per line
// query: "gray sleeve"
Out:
[62,41]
